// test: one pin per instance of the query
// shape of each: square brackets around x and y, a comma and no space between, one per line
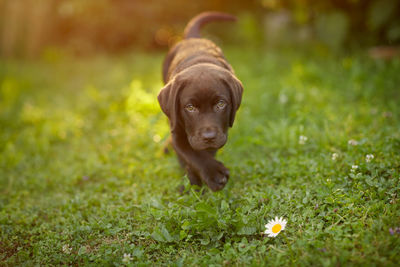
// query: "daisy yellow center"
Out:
[276,228]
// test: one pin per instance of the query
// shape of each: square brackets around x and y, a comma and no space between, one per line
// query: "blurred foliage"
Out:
[342,22]
[107,25]
[332,28]
[27,27]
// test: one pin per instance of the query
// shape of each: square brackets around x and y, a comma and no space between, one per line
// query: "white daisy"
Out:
[369,157]
[66,249]
[335,156]
[354,168]
[274,227]
[127,258]
[283,98]
[302,139]
[156,138]
[352,142]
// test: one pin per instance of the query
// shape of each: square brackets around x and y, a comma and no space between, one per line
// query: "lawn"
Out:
[84,181]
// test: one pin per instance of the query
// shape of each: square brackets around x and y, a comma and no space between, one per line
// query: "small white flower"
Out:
[335,156]
[283,98]
[354,168]
[274,227]
[352,142]
[369,157]
[66,249]
[127,258]
[302,139]
[156,138]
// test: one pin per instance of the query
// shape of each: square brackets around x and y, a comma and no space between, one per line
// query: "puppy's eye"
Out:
[221,104]
[190,108]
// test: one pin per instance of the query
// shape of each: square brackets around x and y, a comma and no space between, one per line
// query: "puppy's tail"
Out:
[192,30]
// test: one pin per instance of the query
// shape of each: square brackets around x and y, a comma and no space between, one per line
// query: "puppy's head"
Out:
[203,100]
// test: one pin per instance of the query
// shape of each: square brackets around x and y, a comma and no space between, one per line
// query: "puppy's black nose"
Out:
[209,135]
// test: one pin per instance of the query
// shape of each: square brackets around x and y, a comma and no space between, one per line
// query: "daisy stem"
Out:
[288,245]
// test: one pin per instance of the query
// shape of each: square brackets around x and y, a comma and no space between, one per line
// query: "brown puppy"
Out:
[200,98]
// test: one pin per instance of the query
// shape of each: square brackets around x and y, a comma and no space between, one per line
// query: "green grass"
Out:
[83,179]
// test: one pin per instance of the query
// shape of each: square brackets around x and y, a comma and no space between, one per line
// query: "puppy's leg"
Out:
[215,174]
[202,165]
[193,177]
[167,145]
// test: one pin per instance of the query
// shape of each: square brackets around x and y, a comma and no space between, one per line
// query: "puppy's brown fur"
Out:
[200,98]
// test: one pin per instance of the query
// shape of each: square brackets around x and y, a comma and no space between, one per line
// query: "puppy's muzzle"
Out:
[208,135]
[208,138]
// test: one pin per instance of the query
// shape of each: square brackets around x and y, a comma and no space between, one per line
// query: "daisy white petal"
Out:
[275,226]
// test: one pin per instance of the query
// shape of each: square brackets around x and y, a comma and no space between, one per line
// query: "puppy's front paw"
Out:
[216,176]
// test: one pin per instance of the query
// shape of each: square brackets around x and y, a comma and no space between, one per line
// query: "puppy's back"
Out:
[191,52]
[193,49]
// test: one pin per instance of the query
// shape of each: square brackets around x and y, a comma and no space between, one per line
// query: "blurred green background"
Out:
[31,28]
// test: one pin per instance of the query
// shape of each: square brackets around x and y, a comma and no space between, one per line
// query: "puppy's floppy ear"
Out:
[236,91]
[169,102]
